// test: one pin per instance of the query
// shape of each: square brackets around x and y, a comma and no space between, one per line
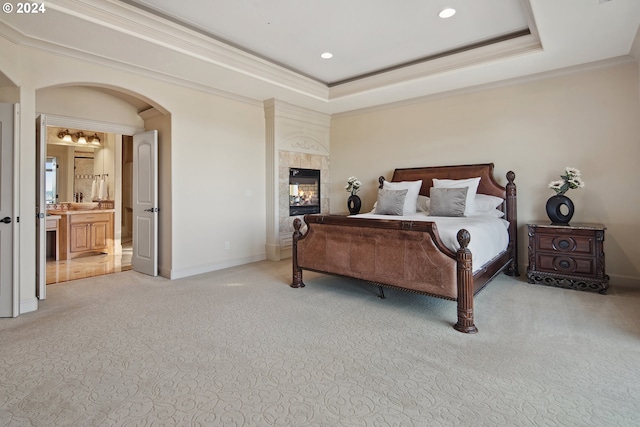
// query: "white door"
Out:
[41,227]
[145,203]
[7,220]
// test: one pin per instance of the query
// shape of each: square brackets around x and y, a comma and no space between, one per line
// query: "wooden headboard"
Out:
[488,184]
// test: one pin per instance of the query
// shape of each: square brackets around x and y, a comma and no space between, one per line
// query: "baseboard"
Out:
[28,305]
[623,280]
[272,252]
[179,274]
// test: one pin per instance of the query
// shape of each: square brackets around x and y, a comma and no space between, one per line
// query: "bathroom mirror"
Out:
[77,164]
[83,175]
[51,180]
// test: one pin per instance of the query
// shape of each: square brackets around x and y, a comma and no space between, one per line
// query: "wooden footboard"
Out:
[408,255]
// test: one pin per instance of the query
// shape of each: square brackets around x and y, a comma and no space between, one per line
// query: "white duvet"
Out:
[489,235]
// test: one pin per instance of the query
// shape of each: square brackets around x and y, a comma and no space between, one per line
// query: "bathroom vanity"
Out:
[84,232]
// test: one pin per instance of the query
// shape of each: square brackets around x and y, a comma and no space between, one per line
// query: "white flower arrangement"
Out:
[571,179]
[353,185]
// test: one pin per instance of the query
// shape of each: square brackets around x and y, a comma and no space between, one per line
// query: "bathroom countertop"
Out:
[78,211]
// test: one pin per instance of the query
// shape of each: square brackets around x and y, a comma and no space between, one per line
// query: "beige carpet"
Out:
[240,348]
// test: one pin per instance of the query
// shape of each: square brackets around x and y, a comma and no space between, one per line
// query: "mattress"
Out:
[489,235]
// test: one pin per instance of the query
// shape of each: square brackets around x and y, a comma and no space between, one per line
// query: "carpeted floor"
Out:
[238,347]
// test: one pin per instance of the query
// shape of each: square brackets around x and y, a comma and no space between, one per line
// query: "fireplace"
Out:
[304,191]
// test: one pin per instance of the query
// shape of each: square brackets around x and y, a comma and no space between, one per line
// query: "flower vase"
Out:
[354,204]
[554,209]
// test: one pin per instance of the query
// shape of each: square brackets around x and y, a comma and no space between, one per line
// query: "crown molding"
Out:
[136,22]
[25,41]
[528,44]
[606,63]
[276,108]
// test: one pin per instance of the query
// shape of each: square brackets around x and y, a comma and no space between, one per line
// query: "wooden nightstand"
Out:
[567,256]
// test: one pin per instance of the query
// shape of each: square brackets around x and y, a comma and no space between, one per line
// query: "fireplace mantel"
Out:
[295,138]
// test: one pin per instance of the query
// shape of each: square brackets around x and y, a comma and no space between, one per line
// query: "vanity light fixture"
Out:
[81,138]
[65,136]
[447,13]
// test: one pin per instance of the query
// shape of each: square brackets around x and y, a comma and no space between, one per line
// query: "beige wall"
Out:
[213,171]
[587,120]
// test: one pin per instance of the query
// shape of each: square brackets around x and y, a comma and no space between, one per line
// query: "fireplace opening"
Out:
[304,191]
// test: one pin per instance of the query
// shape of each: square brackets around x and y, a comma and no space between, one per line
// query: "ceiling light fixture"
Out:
[447,13]
[326,55]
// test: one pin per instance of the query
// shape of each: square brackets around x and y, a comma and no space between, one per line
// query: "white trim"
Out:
[498,51]
[623,280]
[121,17]
[179,274]
[635,46]
[96,125]
[16,212]
[28,305]
[612,62]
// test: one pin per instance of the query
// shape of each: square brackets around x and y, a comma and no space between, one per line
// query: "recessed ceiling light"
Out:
[326,55]
[447,13]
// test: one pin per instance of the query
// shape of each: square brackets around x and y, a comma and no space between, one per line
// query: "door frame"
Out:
[14,208]
[95,125]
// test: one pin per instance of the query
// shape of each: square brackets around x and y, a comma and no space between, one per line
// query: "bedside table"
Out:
[567,256]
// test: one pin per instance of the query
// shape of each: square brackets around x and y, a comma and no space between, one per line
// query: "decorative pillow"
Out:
[448,201]
[413,189]
[422,205]
[470,183]
[390,202]
[487,203]
[496,213]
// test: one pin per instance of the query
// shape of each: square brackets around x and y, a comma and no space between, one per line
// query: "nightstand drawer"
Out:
[567,256]
[566,265]
[579,245]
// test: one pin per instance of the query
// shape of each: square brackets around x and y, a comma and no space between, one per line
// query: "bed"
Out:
[409,251]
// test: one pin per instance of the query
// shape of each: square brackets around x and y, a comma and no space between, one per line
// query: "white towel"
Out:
[103,193]
[94,188]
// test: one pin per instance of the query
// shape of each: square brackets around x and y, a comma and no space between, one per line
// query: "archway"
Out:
[112,110]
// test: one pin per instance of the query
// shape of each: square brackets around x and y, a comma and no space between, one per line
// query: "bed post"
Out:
[297,271]
[465,285]
[512,216]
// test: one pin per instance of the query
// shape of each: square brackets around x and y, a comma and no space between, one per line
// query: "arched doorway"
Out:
[136,113]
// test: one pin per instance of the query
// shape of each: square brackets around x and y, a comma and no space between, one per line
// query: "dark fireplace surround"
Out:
[304,191]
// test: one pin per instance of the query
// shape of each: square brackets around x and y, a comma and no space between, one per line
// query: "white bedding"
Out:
[489,235]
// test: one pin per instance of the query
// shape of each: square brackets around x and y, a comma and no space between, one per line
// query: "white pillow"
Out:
[486,203]
[494,213]
[413,189]
[470,183]
[422,205]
